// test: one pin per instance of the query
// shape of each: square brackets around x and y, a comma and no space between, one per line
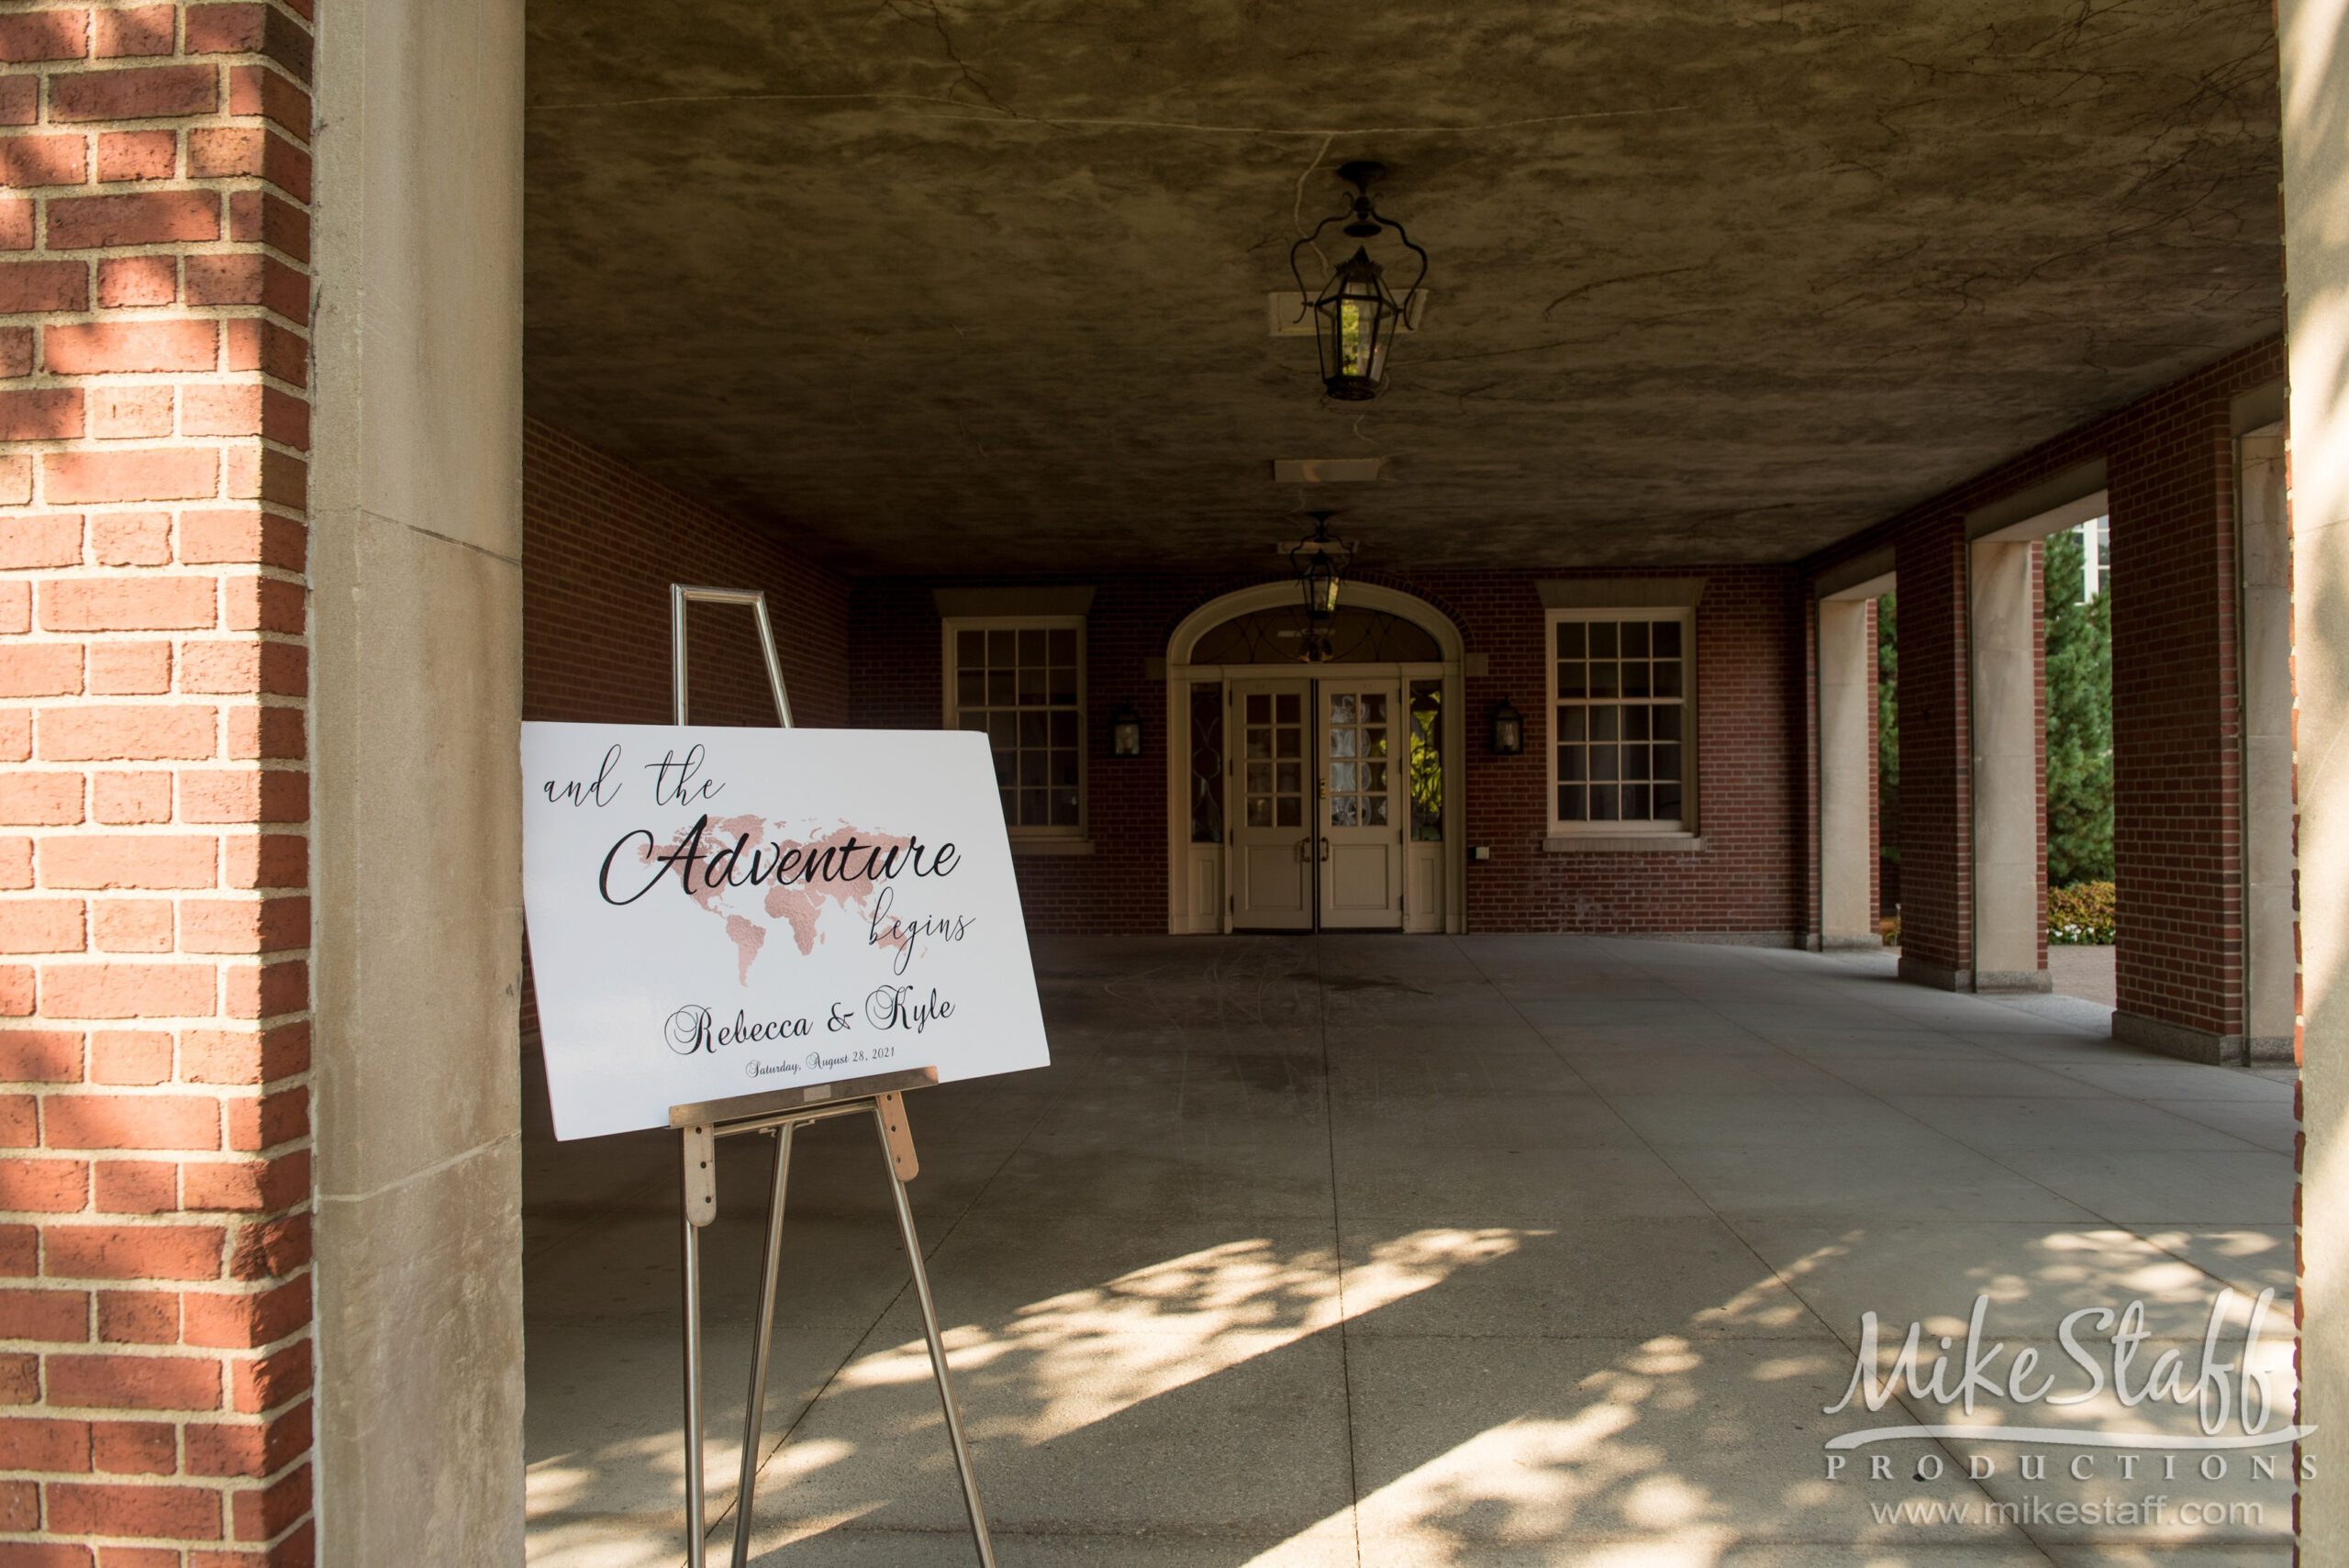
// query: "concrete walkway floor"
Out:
[1420,1251]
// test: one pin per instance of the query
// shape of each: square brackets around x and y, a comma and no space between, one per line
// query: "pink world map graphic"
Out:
[799,903]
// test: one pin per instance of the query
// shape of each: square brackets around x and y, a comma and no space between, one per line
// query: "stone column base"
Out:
[1923,971]
[2189,1044]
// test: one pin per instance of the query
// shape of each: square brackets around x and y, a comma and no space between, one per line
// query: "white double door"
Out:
[1319,783]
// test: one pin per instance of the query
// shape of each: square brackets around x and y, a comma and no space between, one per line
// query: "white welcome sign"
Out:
[715,913]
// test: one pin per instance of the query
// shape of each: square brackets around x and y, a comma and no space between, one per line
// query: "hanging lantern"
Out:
[1508,730]
[1356,316]
[1320,563]
[1125,731]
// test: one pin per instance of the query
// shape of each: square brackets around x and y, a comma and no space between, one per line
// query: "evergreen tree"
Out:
[2079,721]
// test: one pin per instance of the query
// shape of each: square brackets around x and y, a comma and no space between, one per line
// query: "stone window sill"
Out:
[1051,846]
[1623,843]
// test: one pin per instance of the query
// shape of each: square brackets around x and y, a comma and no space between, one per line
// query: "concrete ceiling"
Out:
[979,284]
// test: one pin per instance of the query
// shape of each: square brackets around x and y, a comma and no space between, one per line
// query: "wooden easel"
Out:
[778,1112]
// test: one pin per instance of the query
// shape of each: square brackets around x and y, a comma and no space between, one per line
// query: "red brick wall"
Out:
[2169,463]
[155,1312]
[601,543]
[1753,794]
[1876,771]
[1750,679]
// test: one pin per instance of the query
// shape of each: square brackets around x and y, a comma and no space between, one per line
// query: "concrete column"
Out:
[2315,38]
[2009,767]
[2271,957]
[417,577]
[1846,787]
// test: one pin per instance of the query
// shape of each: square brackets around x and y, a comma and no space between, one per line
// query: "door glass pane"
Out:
[1273,791]
[1427,760]
[1354,731]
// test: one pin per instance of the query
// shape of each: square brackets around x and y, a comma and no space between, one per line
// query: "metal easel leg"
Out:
[754,1412]
[694,1554]
[889,1155]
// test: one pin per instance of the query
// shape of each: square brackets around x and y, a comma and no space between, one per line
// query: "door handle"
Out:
[1303,851]
[1325,850]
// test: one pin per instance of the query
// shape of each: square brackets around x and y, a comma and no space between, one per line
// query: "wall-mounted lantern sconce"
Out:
[1508,730]
[1125,731]
[1356,316]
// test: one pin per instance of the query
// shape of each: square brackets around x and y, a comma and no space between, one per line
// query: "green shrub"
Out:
[2081,914]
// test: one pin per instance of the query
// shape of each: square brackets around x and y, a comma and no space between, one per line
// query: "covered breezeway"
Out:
[1503,1250]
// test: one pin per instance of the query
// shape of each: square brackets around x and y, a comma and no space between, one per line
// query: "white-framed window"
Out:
[1622,720]
[1020,679]
[2096,557]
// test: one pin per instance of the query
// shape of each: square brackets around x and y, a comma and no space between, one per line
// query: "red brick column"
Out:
[2177,718]
[1936,775]
[154,307]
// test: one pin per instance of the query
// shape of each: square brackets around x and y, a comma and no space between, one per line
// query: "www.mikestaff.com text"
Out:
[2152,1510]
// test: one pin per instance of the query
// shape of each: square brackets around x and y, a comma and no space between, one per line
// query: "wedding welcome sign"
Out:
[718,912]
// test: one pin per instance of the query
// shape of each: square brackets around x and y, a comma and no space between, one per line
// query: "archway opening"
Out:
[1314,779]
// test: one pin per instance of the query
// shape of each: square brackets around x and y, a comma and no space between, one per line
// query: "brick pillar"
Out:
[153,809]
[1936,780]
[2176,722]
